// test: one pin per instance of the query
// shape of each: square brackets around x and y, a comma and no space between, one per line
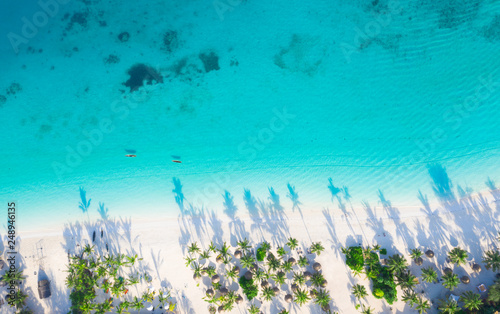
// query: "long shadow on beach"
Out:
[236,225]
[376,223]
[330,225]
[437,226]
[294,197]
[402,230]
[178,195]
[442,187]
[253,211]
[274,218]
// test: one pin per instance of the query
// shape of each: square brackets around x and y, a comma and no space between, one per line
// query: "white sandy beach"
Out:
[472,225]
[415,97]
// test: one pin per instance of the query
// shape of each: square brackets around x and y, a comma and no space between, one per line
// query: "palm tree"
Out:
[472,301]
[243,245]
[317,279]
[122,307]
[131,260]
[232,273]
[359,291]
[286,266]
[224,251]
[448,306]
[137,304]
[211,271]
[302,297]
[406,280]
[260,275]
[450,281]
[273,264]
[88,249]
[253,309]
[429,275]
[279,278]
[212,247]
[422,306]
[299,279]
[163,297]
[322,298]
[268,293]
[16,276]
[197,269]
[396,263]
[317,248]
[417,254]
[458,256]
[492,260]
[292,243]
[281,252]
[189,260]
[247,261]
[266,245]
[19,298]
[494,293]
[231,297]
[366,309]
[205,254]
[193,248]
[410,297]
[105,307]
[303,262]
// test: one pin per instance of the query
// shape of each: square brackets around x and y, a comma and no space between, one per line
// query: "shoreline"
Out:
[163,243]
[243,213]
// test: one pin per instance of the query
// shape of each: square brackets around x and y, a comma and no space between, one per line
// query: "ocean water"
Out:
[253,95]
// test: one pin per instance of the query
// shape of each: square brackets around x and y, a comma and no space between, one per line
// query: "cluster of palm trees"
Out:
[398,265]
[18,299]
[305,279]
[472,301]
[90,273]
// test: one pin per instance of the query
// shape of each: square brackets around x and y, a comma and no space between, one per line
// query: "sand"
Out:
[469,222]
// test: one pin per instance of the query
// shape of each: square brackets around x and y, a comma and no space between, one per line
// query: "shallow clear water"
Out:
[374,93]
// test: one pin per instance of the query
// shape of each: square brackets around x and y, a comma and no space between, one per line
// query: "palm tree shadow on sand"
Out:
[442,186]
[275,200]
[330,225]
[495,192]
[253,211]
[238,232]
[178,195]
[438,228]
[273,222]
[294,197]
[402,230]
[375,223]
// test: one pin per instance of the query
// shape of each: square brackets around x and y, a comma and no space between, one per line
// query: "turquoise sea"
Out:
[247,94]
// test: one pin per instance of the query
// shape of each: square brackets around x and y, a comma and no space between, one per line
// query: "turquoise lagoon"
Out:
[367,93]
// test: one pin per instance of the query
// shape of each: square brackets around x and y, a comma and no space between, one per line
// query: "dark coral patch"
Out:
[79,18]
[123,36]
[14,88]
[141,73]
[170,40]
[492,30]
[210,61]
